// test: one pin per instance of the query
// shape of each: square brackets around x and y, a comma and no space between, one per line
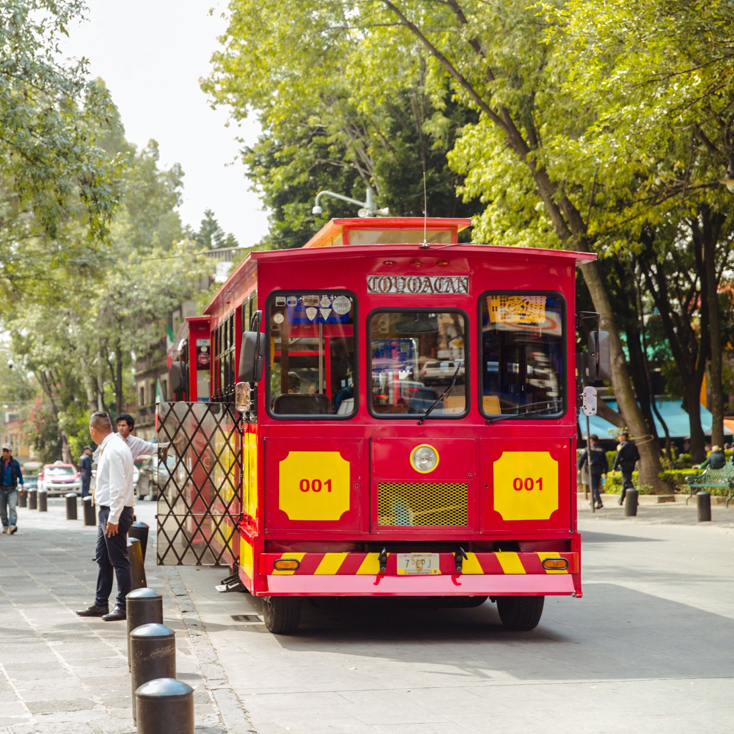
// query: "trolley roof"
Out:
[358,238]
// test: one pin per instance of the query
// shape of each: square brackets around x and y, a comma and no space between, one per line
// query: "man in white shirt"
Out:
[125,424]
[115,497]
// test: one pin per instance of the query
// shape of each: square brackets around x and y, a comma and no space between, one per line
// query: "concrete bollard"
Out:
[140,531]
[22,498]
[90,514]
[630,503]
[144,606]
[71,506]
[165,706]
[137,565]
[32,499]
[703,499]
[42,500]
[152,655]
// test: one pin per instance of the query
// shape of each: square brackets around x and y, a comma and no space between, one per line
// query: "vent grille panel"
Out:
[421,504]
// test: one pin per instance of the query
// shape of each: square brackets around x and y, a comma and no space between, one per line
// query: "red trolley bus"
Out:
[389,412]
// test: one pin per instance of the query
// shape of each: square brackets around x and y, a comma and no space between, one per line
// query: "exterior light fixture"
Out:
[367,208]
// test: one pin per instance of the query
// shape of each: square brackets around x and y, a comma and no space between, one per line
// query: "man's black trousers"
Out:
[112,558]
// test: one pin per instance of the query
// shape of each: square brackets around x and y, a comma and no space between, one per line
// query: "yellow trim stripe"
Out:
[511,563]
[471,565]
[293,556]
[370,566]
[330,564]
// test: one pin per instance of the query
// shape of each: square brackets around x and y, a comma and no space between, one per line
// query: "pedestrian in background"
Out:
[625,460]
[85,469]
[115,499]
[11,477]
[137,446]
[599,467]
[716,459]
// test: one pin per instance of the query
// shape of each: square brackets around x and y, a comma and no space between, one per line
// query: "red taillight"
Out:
[425,372]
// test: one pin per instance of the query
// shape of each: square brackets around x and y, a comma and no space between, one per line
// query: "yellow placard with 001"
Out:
[525,485]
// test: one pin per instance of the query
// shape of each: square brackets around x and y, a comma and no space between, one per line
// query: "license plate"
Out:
[417,564]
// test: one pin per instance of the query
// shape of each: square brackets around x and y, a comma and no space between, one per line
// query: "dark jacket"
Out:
[85,465]
[15,472]
[716,460]
[599,463]
[627,456]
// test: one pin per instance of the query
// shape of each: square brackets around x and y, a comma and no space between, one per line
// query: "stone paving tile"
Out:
[60,673]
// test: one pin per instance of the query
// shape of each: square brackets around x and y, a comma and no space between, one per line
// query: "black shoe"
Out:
[621,502]
[599,506]
[93,611]
[115,615]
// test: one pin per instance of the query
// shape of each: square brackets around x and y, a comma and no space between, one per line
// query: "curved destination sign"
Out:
[417,284]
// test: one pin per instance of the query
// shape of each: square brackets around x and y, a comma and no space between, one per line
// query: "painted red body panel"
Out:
[378,448]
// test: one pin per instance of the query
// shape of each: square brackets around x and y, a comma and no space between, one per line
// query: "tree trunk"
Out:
[43,379]
[708,236]
[118,379]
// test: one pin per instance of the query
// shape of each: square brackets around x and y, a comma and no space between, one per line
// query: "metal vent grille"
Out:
[416,504]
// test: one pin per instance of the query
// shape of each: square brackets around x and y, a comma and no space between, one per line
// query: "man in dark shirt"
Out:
[716,459]
[599,467]
[625,460]
[11,476]
[85,469]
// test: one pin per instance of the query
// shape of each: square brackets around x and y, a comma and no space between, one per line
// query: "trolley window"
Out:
[418,360]
[522,354]
[312,355]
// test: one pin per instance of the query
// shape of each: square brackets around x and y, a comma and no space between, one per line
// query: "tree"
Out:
[54,175]
[509,156]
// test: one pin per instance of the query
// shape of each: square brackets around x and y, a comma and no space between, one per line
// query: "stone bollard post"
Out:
[32,499]
[137,566]
[630,503]
[152,655]
[703,499]
[140,531]
[71,506]
[165,706]
[144,606]
[90,515]
[42,500]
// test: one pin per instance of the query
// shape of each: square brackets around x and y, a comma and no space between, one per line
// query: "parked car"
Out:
[442,372]
[153,476]
[59,478]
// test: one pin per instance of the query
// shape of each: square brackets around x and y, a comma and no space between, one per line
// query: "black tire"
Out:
[282,614]
[520,613]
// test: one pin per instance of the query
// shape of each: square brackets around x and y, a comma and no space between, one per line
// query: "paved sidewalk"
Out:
[63,673]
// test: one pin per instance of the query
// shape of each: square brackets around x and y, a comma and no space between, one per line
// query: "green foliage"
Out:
[675,479]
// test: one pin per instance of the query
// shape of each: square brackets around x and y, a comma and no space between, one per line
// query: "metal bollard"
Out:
[71,506]
[630,503]
[165,706]
[137,565]
[90,514]
[22,499]
[703,500]
[42,500]
[144,606]
[152,655]
[140,530]
[32,499]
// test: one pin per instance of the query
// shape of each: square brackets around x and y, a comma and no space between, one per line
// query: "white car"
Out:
[438,372]
[59,478]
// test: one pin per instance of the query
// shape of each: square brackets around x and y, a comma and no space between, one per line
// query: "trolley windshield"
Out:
[521,354]
[417,359]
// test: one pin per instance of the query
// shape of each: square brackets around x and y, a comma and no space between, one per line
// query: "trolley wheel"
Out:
[282,614]
[519,613]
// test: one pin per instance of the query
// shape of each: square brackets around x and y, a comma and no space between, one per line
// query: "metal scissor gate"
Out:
[199,502]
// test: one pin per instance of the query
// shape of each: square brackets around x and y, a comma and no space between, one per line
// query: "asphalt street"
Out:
[648,648]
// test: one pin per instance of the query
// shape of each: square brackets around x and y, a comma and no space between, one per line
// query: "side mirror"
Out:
[600,364]
[179,378]
[252,357]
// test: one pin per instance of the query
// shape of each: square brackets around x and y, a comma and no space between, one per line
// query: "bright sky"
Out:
[151,54]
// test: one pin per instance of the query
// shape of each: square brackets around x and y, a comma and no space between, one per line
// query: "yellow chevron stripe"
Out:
[330,564]
[511,563]
[370,566]
[543,556]
[295,556]
[471,565]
